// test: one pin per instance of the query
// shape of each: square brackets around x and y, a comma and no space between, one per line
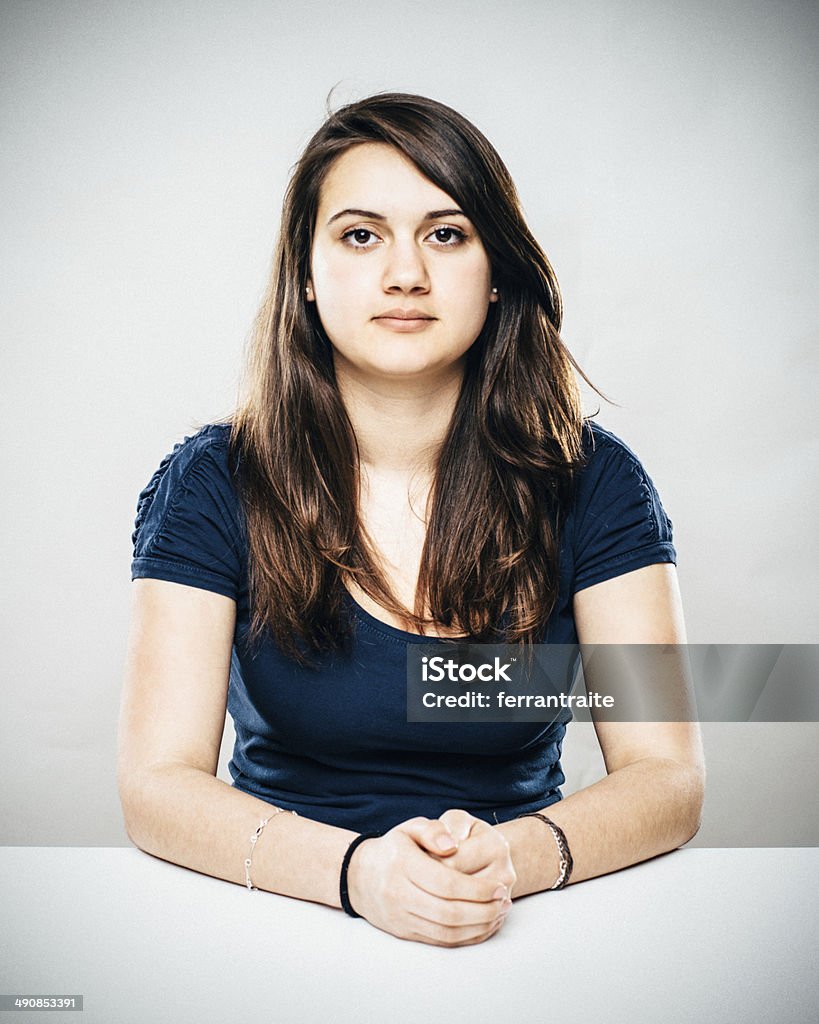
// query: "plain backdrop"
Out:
[666,157]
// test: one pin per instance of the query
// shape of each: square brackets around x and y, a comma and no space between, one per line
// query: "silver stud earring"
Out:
[494,291]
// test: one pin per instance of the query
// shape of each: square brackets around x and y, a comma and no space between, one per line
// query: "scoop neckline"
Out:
[388,630]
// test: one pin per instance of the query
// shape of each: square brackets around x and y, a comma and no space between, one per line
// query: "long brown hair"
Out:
[504,474]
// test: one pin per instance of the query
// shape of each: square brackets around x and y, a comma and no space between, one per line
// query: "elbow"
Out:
[691,799]
[132,800]
[134,834]
[680,788]
[140,803]
[149,795]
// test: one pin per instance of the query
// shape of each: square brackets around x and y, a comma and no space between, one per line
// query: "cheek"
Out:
[330,271]
[470,291]
[334,294]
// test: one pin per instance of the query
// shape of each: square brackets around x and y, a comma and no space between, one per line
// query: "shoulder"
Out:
[602,446]
[618,519]
[188,526]
[611,467]
[197,472]
[211,440]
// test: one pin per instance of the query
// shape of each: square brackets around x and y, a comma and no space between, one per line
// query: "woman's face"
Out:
[388,241]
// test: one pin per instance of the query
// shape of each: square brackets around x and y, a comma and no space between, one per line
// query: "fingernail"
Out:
[500,893]
[445,843]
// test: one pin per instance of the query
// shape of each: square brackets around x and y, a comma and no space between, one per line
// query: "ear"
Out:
[493,295]
[309,292]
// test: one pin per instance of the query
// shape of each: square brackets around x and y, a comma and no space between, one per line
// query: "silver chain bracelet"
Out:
[253,840]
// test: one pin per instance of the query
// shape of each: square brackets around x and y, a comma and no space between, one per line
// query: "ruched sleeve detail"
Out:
[188,526]
[620,522]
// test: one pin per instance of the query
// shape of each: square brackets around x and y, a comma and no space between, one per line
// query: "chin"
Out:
[404,362]
[406,370]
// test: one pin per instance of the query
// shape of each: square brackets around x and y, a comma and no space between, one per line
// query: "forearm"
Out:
[188,817]
[637,812]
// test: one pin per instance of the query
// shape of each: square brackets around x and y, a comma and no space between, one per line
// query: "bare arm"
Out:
[651,800]
[172,719]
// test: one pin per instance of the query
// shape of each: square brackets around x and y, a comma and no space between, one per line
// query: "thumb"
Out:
[459,823]
[432,836]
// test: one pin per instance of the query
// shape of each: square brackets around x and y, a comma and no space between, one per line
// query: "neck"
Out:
[399,425]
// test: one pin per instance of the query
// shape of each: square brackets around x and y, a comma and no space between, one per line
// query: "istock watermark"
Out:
[437,668]
[456,681]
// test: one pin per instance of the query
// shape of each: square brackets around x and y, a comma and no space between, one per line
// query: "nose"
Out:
[405,269]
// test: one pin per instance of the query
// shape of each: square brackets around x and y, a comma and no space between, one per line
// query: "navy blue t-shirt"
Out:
[333,743]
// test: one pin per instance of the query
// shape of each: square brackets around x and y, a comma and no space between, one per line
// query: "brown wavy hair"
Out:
[504,474]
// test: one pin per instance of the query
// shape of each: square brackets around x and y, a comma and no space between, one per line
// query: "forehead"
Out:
[378,177]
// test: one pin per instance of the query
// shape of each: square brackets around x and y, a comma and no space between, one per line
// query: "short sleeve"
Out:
[187,527]
[620,522]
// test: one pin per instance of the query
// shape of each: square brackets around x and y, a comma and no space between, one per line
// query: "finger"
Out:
[501,872]
[455,913]
[443,837]
[430,874]
[436,935]
[460,823]
[485,849]
[438,879]
[472,857]
[505,877]
[432,836]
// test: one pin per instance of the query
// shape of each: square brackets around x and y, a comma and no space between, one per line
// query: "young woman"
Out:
[410,465]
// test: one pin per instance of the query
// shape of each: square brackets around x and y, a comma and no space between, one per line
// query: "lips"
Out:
[404,321]
[404,314]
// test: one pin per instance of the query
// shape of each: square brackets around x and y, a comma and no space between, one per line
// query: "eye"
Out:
[458,236]
[354,238]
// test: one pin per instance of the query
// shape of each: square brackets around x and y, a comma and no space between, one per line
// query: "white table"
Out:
[697,935]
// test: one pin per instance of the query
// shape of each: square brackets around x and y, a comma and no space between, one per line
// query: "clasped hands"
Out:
[447,881]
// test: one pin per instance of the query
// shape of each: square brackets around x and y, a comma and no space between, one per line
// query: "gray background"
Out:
[666,156]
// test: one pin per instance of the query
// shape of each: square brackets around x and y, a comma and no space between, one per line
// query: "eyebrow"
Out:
[432,215]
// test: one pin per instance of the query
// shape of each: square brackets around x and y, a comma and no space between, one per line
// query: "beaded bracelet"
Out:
[253,840]
[345,864]
[566,862]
